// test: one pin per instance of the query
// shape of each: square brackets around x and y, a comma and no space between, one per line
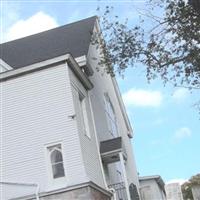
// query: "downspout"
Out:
[26,184]
[37,192]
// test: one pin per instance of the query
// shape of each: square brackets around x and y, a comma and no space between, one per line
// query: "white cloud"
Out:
[180,94]
[180,181]
[139,97]
[35,24]
[181,133]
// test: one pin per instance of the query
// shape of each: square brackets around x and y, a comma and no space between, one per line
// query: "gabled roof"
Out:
[72,38]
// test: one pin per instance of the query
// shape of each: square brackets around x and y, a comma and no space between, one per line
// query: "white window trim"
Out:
[82,92]
[108,117]
[5,66]
[54,183]
[84,113]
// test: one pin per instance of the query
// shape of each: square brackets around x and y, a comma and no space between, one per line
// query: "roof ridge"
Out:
[58,27]
[71,38]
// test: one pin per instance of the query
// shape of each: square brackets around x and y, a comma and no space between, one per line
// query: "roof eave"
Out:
[5,65]
[67,58]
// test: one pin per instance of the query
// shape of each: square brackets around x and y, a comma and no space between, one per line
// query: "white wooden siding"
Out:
[35,110]
[103,84]
[90,153]
[150,190]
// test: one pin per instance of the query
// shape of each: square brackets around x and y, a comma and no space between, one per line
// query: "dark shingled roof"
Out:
[72,38]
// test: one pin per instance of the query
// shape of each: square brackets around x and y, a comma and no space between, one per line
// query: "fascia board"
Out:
[31,68]
[5,65]
[67,58]
[122,107]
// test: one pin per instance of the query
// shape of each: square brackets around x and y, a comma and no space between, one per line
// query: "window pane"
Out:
[84,114]
[111,118]
[114,128]
[133,192]
[58,170]
[56,156]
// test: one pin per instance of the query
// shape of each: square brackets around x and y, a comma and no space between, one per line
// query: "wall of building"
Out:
[150,190]
[85,193]
[15,191]
[35,112]
[89,148]
[103,83]
[173,191]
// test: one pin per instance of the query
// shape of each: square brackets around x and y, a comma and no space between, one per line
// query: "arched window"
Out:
[56,159]
[133,192]
[111,117]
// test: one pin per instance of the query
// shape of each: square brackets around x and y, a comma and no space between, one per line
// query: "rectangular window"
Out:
[84,114]
[56,161]
[111,117]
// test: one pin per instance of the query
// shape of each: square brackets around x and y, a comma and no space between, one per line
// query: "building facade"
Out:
[65,133]
[152,188]
[173,191]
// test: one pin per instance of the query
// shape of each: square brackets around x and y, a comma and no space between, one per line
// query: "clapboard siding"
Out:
[89,147]
[103,83]
[151,190]
[35,110]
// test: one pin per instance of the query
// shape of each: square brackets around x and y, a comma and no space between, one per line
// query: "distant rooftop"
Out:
[72,38]
[157,178]
[149,177]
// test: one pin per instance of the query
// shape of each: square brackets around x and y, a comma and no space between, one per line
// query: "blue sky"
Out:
[166,125]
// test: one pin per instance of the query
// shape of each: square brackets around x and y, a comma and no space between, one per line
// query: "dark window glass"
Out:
[133,192]
[58,170]
[57,162]
[56,156]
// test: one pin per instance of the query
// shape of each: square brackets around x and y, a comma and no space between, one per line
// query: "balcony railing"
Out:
[120,190]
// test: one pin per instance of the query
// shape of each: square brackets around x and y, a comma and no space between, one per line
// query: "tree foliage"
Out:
[169,46]
[195,180]
[187,187]
[187,191]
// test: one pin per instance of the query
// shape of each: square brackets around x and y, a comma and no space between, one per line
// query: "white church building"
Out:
[65,133]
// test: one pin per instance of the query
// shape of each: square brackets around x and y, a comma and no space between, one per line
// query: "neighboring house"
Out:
[152,188]
[196,191]
[65,133]
[173,191]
